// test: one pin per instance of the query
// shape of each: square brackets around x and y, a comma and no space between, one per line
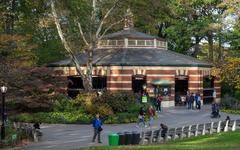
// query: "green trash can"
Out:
[113,139]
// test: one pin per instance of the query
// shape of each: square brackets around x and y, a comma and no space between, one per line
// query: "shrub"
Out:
[9,140]
[55,117]
[63,103]
[118,101]
[230,102]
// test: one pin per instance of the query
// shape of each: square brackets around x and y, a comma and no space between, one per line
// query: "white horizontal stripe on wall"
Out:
[119,81]
[123,75]
[195,81]
[195,75]
[151,81]
[160,75]
[113,88]
[195,88]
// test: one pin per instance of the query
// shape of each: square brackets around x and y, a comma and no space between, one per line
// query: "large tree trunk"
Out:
[210,45]
[69,50]
[94,35]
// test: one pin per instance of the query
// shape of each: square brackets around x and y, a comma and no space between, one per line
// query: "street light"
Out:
[3,91]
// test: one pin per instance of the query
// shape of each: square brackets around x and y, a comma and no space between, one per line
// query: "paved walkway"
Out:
[66,137]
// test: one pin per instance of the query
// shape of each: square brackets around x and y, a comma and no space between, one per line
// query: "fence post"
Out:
[143,137]
[159,136]
[151,137]
[189,132]
[211,128]
[181,135]
[203,131]
[196,132]
[234,126]
[219,126]
[226,126]
[174,135]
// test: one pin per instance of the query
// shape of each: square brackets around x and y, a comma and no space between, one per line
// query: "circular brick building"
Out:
[129,60]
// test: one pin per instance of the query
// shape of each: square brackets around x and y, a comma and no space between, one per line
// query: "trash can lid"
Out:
[113,134]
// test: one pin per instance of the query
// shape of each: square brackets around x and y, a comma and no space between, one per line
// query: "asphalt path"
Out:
[66,137]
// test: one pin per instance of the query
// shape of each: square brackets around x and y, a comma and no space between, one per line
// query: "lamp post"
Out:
[3,91]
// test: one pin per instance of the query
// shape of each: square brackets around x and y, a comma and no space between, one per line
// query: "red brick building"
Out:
[130,60]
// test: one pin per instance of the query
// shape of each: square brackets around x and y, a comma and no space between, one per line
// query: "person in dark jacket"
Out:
[191,101]
[228,118]
[158,103]
[141,117]
[97,127]
[164,130]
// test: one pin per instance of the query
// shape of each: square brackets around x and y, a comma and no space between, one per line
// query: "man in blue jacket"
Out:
[97,126]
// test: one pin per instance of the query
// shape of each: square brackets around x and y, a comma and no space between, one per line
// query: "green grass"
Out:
[221,141]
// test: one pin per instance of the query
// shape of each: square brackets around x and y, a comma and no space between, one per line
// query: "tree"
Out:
[92,34]
[229,73]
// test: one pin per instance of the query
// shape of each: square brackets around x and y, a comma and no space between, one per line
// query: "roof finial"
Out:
[128,20]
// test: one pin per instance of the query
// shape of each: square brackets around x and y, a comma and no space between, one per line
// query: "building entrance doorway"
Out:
[208,88]
[181,87]
[138,81]
[75,85]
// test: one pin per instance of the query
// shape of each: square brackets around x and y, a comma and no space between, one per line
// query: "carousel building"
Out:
[129,60]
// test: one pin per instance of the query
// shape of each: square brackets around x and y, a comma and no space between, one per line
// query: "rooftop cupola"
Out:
[130,38]
[128,20]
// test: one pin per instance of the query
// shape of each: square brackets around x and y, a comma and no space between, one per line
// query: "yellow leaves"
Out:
[216,72]
[45,22]
[229,72]
[214,26]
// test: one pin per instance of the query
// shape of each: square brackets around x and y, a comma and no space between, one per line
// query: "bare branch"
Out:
[81,32]
[105,17]
[65,43]
[109,27]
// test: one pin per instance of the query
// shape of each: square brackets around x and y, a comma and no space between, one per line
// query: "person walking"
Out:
[97,127]
[158,103]
[151,112]
[191,101]
[195,100]
[198,101]
[141,117]
[188,100]
[214,95]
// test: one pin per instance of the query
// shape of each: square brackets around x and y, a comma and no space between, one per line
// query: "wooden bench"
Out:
[216,127]
[147,137]
[224,126]
[179,132]
[156,136]
[208,128]
[193,130]
[232,125]
[186,131]
[170,134]
[238,124]
[201,129]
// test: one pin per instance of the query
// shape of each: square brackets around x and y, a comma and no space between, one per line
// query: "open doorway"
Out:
[75,84]
[137,83]
[181,87]
[99,82]
[208,88]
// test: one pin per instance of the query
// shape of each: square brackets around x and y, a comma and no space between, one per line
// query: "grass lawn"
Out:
[221,141]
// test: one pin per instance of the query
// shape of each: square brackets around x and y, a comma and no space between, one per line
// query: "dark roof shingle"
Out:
[136,57]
